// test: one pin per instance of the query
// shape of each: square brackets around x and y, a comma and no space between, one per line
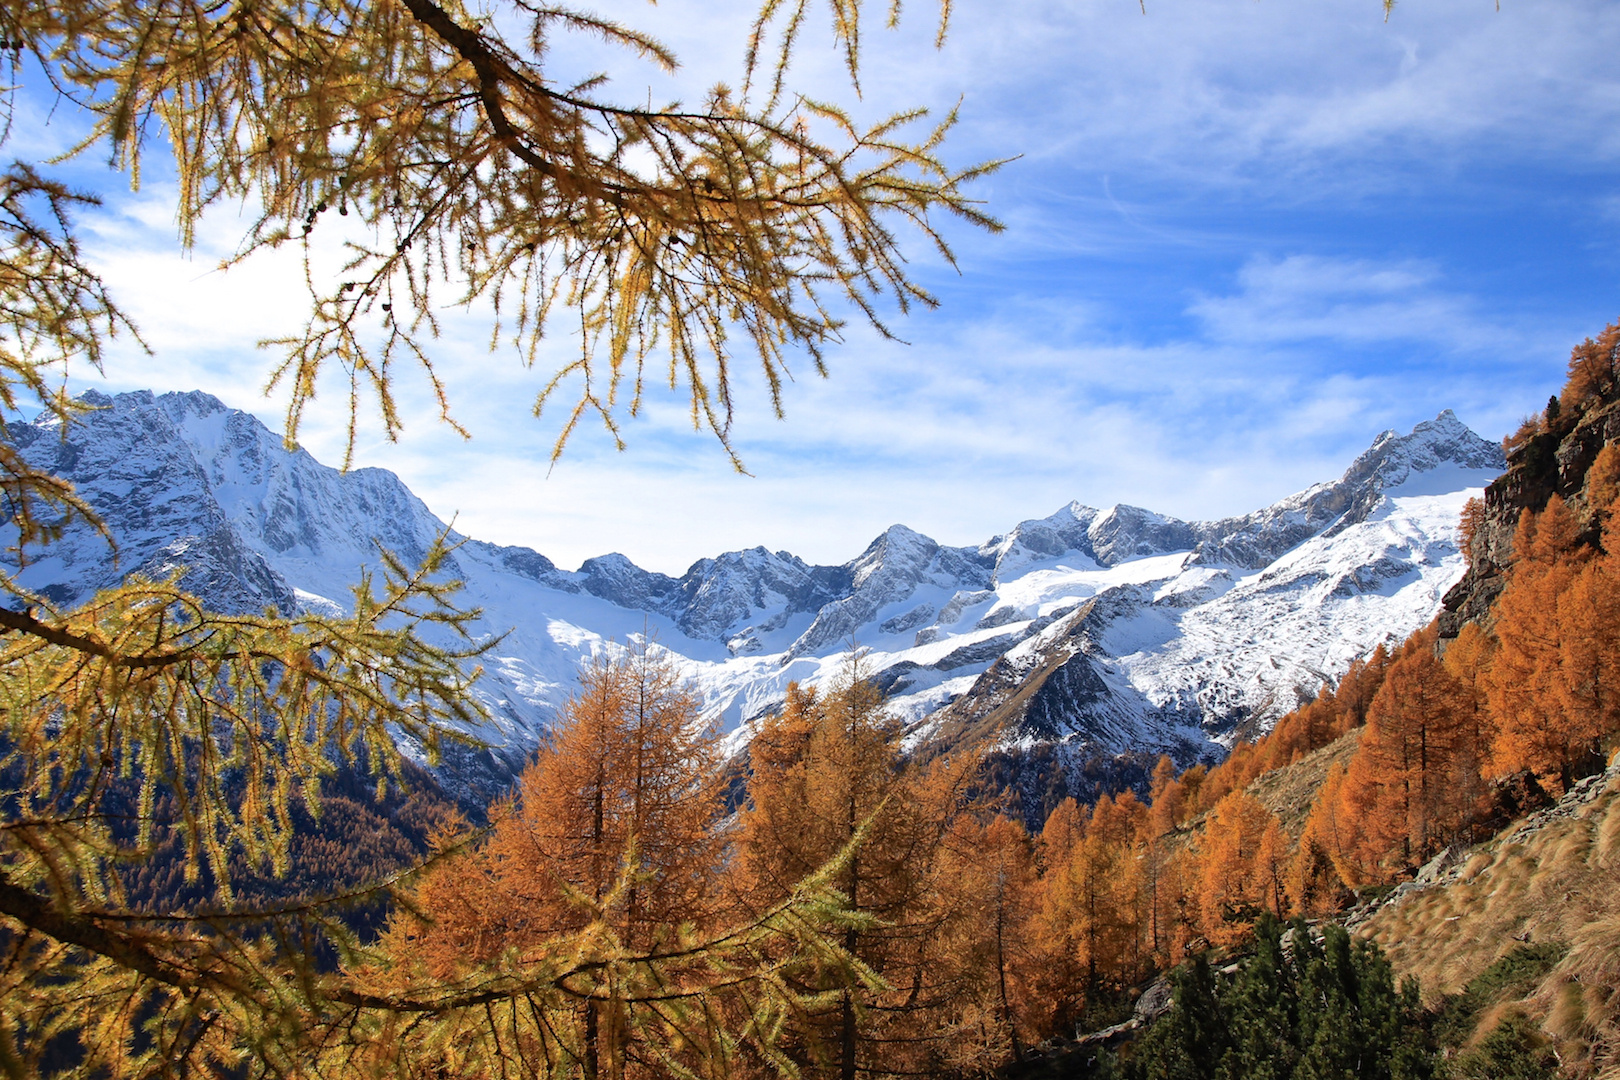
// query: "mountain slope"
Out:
[1188,648]
[1098,631]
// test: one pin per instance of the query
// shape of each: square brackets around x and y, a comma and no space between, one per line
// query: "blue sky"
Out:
[1243,239]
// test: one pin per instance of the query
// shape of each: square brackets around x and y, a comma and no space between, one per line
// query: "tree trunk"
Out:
[1001,974]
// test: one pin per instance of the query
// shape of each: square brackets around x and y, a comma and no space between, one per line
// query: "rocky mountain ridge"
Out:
[1155,634]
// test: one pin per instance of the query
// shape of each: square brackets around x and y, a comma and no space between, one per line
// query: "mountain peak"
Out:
[1393,458]
[186,481]
[904,534]
[197,402]
[1443,453]
[1128,532]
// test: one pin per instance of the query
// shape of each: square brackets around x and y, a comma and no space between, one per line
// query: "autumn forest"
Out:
[830,907]
[970,939]
[828,903]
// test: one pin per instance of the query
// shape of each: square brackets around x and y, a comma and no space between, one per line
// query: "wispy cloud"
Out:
[1228,266]
[1311,298]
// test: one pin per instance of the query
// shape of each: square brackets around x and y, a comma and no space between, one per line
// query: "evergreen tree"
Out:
[1297,1010]
[1512,1050]
[1264,1002]
[1193,1038]
[1354,1022]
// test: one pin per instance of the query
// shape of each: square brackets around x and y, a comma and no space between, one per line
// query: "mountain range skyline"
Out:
[1120,630]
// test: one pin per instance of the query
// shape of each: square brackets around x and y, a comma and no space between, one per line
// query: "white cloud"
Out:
[962,434]
[1214,381]
[1232,84]
[1311,298]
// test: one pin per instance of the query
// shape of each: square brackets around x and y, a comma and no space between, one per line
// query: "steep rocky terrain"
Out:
[1202,647]
[1083,636]
[1528,921]
[1551,462]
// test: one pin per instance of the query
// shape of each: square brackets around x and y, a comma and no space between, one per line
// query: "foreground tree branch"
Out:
[432,140]
[454,162]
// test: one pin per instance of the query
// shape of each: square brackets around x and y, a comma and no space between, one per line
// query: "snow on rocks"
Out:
[1150,631]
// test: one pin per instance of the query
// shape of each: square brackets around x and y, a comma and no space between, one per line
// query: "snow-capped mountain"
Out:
[1103,631]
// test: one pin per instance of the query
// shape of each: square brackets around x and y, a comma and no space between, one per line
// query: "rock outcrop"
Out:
[1553,461]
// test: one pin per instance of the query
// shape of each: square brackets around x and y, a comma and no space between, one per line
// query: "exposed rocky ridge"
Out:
[1092,633]
[889,570]
[717,594]
[163,527]
[1204,651]
[1552,462]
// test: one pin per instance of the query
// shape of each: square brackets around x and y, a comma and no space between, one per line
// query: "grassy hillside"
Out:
[1552,879]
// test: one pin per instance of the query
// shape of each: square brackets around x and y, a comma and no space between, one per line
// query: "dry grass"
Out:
[1288,792]
[1560,883]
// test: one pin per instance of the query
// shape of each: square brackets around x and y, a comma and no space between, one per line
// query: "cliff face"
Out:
[1552,462]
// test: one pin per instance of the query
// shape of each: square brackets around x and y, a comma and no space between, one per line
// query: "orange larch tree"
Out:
[1094,899]
[1166,883]
[1593,368]
[1336,822]
[1525,682]
[1164,797]
[1064,979]
[1242,857]
[1414,738]
[613,826]
[1589,660]
[629,774]
[987,877]
[1355,692]
[828,781]
[1116,931]
[1467,659]
[1603,482]
[1192,788]
[1315,887]
[1473,517]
